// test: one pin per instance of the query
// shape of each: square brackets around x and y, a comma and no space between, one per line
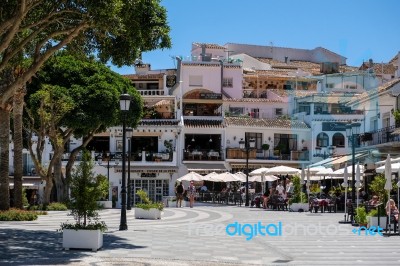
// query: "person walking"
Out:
[191,191]
[179,189]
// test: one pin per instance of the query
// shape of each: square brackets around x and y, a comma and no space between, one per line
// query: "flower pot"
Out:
[147,214]
[295,207]
[81,238]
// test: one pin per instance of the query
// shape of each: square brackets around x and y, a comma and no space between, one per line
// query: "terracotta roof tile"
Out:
[209,45]
[379,68]
[252,100]
[384,87]
[296,93]
[265,123]
[158,122]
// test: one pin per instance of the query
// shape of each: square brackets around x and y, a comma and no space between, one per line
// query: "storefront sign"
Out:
[171,81]
[332,126]
[214,96]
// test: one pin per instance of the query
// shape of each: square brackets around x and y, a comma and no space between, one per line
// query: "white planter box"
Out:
[295,207]
[373,221]
[147,214]
[85,239]
[105,204]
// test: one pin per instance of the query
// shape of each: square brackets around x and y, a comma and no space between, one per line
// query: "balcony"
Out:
[380,136]
[151,92]
[235,153]
[203,155]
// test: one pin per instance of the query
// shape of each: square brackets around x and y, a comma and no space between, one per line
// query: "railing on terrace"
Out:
[159,115]
[383,135]
[251,93]
[203,155]
[236,153]
[151,92]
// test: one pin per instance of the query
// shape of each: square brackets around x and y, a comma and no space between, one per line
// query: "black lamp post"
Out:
[352,130]
[247,145]
[125,101]
[129,136]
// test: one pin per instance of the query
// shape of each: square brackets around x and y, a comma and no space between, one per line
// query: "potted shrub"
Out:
[147,209]
[265,147]
[87,231]
[361,216]
[298,201]
[103,186]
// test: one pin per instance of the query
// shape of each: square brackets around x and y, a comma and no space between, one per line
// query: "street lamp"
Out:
[129,136]
[124,101]
[352,130]
[247,145]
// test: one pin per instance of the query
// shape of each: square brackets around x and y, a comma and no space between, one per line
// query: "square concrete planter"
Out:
[84,239]
[373,221]
[153,214]
[105,204]
[295,207]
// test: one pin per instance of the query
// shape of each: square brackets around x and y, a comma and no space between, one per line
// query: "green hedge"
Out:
[56,206]
[18,215]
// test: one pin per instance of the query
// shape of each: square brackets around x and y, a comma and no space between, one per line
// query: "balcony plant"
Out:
[147,209]
[361,216]
[87,231]
[265,148]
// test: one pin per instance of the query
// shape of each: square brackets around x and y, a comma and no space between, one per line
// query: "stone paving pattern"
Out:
[197,236]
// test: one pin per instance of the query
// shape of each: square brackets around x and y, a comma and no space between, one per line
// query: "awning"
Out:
[346,159]
[150,169]
[199,101]
[325,161]
[206,168]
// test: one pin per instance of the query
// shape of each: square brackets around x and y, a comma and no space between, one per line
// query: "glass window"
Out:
[278,111]
[322,140]
[338,140]
[227,82]
[257,137]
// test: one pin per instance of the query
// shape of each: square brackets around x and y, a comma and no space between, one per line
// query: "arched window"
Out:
[338,140]
[322,140]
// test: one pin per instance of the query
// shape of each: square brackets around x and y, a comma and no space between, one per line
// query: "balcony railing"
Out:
[151,92]
[203,155]
[380,136]
[236,153]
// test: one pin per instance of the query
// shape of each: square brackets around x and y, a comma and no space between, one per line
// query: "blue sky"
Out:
[356,29]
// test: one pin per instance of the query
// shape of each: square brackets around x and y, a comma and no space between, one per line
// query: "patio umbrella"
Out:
[345,185]
[316,169]
[259,178]
[358,183]
[388,183]
[349,169]
[241,175]
[394,166]
[211,177]
[282,170]
[228,177]
[191,176]
[261,172]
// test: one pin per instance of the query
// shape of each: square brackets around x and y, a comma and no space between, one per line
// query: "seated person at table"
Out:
[392,210]
[280,189]
[374,201]
[203,188]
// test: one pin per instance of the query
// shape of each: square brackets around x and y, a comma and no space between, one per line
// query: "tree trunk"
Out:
[48,188]
[18,106]
[58,177]
[4,159]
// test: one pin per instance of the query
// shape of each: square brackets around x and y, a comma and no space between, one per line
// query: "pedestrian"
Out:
[179,189]
[191,191]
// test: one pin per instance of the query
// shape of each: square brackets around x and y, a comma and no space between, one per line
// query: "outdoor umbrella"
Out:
[228,177]
[340,172]
[345,185]
[261,172]
[395,167]
[282,170]
[241,175]
[211,177]
[316,169]
[259,178]
[191,176]
[358,183]
[388,183]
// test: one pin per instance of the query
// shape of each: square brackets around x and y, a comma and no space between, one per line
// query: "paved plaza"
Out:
[197,236]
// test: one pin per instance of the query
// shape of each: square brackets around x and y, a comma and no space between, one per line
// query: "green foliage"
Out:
[297,196]
[374,212]
[147,204]
[396,115]
[18,215]
[102,181]
[361,215]
[57,206]
[265,146]
[168,145]
[25,201]
[315,188]
[377,187]
[85,191]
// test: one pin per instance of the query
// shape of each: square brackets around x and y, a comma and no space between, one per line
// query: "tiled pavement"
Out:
[197,236]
